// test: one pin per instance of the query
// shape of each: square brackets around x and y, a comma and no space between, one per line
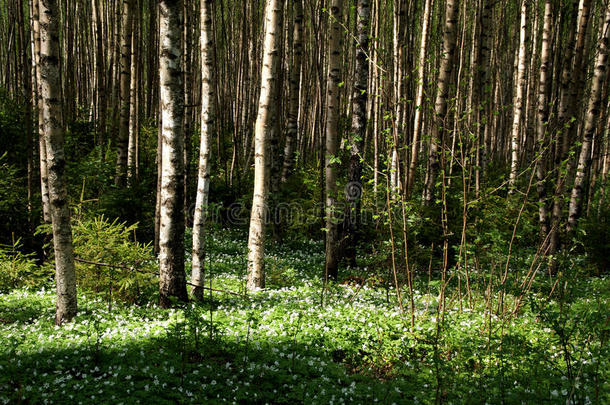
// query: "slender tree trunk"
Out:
[578,83]
[159,161]
[132,149]
[124,93]
[518,97]
[394,169]
[207,123]
[593,109]
[263,131]
[483,102]
[26,78]
[353,192]
[42,145]
[418,119]
[543,116]
[376,104]
[292,127]
[440,105]
[561,141]
[100,61]
[65,274]
[188,100]
[332,137]
[172,278]
[399,24]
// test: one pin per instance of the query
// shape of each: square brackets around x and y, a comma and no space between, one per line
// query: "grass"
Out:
[282,346]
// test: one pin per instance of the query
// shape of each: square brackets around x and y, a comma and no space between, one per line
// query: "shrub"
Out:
[594,238]
[111,262]
[18,269]
[13,203]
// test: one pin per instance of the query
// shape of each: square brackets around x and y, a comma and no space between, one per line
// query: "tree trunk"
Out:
[265,122]
[593,109]
[101,75]
[124,94]
[332,135]
[172,278]
[26,78]
[543,116]
[353,192]
[440,105]
[207,123]
[42,145]
[481,94]
[65,274]
[518,97]
[398,39]
[418,119]
[133,144]
[292,126]
[561,141]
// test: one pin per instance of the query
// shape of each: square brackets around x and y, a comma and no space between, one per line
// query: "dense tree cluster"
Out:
[390,104]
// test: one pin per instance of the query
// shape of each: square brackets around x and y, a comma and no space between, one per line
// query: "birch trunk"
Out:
[417,121]
[294,91]
[398,39]
[265,125]
[207,123]
[42,145]
[543,116]
[332,137]
[440,105]
[132,149]
[593,109]
[65,274]
[124,93]
[100,64]
[518,97]
[353,192]
[172,280]
[561,141]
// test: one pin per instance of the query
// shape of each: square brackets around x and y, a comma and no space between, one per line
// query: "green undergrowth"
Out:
[281,345]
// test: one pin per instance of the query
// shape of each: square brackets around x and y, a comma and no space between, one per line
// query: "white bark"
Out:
[292,126]
[593,110]
[262,133]
[207,121]
[518,96]
[124,93]
[543,114]
[65,274]
[44,173]
[440,105]
[172,278]
[417,121]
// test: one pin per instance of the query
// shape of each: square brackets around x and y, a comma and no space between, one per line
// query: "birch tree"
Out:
[42,145]
[207,122]
[358,127]
[518,96]
[65,274]
[543,115]
[172,280]
[442,92]
[124,93]
[591,118]
[265,122]
[418,119]
[332,137]
[562,138]
[294,91]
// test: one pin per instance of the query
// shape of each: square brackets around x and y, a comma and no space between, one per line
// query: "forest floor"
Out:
[281,345]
